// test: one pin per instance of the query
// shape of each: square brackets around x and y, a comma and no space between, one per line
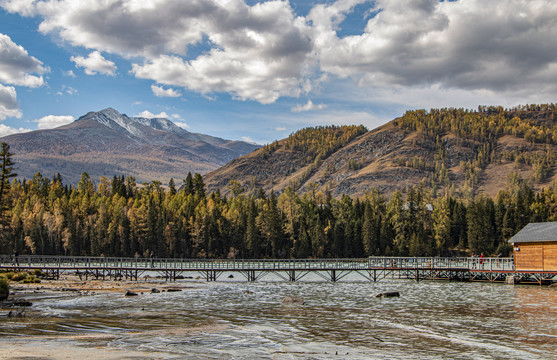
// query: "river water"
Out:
[219,320]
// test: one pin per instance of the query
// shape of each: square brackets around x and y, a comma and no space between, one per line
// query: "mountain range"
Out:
[107,143]
[464,151]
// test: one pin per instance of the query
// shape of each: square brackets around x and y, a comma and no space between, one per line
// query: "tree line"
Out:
[118,217]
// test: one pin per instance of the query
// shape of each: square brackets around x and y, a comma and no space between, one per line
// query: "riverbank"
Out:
[74,347]
[73,284]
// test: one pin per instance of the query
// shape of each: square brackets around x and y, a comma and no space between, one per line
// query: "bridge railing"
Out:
[374,262]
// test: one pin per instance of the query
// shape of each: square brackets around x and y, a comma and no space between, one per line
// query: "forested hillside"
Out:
[469,152]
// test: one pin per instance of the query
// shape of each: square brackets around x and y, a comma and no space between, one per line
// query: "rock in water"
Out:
[387,294]
[130,293]
[292,300]
[155,291]
[22,302]
[174,290]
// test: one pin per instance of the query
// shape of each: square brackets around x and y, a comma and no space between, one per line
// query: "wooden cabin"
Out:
[535,247]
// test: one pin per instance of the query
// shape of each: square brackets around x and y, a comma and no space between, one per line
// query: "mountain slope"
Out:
[471,151]
[108,143]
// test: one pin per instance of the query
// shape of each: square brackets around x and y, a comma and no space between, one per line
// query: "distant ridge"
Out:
[467,151]
[107,143]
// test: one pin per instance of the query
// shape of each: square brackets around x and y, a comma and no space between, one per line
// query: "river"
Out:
[342,320]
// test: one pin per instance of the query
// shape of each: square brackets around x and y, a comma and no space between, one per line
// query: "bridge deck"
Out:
[372,268]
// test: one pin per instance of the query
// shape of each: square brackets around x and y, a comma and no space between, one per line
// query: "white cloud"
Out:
[182,124]
[149,115]
[69,73]
[264,51]
[259,52]
[248,139]
[94,64]
[16,66]
[22,7]
[8,130]
[472,45]
[280,128]
[53,121]
[8,102]
[69,90]
[309,106]
[161,92]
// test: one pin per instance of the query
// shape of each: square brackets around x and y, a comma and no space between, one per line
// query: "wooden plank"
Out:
[550,256]
[529,257]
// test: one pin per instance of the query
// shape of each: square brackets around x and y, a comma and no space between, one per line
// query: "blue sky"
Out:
[259,70]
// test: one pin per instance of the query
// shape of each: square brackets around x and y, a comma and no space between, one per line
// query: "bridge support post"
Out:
[251,275]
[333,275]
[292,275]
[417,275]
[211,275]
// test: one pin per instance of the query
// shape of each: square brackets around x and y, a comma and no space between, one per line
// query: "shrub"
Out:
[31,279]
[38,273]
[19,276]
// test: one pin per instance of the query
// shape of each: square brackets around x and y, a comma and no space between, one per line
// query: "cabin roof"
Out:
[536,232]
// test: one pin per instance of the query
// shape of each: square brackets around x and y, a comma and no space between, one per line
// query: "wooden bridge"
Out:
[370,269]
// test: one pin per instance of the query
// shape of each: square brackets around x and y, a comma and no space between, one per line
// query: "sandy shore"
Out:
[70,283]
[82,346]
[58,349]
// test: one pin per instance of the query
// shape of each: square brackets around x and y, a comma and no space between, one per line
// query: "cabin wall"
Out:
[550,256]
[536,256]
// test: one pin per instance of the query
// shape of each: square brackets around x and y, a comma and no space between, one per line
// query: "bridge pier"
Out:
[333,275]
[292,275]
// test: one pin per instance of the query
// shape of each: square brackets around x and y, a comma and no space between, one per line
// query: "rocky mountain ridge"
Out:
[107,143]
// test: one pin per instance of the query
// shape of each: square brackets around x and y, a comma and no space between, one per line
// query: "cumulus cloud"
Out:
[182,124]
[53,121]
[17,67]
[474,44]
[22,7]
[149,115]
[8,102]
[162,92]
[309,106]
[69,73]
[248,139]
[8,130]
[94,64]
[280,128]
[259,52]
[264,51]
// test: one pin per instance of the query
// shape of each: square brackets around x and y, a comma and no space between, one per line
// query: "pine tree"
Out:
[171,187]
[6,173]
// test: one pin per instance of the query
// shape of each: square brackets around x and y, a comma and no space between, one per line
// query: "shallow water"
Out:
[339,320]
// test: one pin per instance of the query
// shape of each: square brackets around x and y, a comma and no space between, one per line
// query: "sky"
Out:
[260,70]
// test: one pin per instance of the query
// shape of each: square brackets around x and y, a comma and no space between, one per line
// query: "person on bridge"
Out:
[16,258]
[482,260]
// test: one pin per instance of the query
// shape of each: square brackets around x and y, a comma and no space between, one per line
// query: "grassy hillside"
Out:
[469,151]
